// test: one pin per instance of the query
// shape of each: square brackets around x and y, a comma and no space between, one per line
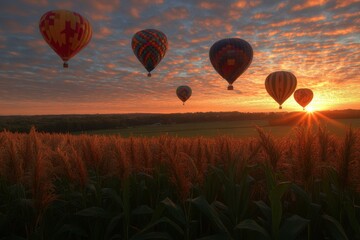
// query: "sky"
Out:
[317,40]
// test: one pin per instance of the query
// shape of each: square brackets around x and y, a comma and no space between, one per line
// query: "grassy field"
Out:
[231,128]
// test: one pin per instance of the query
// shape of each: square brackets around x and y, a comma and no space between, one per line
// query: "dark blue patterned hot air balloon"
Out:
[183,93]
[231,57]
[149,46]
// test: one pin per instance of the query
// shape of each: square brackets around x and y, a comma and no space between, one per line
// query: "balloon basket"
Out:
[65,65]
[230,87]
[149,75]
[280,107]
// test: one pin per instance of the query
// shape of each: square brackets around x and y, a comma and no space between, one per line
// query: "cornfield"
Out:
[61,186]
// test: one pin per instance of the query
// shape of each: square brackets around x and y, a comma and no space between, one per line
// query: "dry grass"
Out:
[39,158]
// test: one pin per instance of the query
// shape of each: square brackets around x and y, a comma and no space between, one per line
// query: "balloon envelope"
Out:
[280,85]
[66,32]
[231,57]
[149,46]
[303,96]
[183,93]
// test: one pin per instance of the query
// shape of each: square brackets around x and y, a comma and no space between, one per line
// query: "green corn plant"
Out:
[275,226]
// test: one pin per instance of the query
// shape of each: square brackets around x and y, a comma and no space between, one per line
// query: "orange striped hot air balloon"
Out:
[66,32]
[303,96]
[280,85]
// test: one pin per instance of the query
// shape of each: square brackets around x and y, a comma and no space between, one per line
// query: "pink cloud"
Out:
[176,13]
[245,3]
[213,23]
[40,3]
[341,32]
[281,5]
[345,3]
[146,2]
[100,10]
[309,4]
[261,16]
[200,39]
[140,5]
[103,32]
[135,12]
[16,27]
[64,5]
[104,6]
[298,20]
[347,15]
[208,5]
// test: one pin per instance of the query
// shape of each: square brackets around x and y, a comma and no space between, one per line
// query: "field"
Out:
[305,185]
[244,128]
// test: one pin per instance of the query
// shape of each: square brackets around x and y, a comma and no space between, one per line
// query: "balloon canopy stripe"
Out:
[149,46]
[66,32]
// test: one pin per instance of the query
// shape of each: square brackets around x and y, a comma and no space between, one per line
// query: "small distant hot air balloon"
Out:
[303,96]
[231,57]
[66,32]
[280,85]
[149,46]
[183,93]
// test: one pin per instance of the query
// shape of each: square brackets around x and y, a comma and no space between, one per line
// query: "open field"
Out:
[64,186]
[231,128]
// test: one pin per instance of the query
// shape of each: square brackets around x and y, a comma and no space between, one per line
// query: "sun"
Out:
[310,109]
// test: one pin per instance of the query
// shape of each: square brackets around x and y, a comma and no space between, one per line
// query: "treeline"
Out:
[74,123]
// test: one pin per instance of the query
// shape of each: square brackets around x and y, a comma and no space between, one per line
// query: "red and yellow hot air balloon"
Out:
[183,93]
[280,85]
[66,32]
[231,57]
[149,46]
[303,96]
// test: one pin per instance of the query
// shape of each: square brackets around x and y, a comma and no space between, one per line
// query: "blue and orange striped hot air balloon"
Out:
[66,32]
[231,57]
[184,93]
[149,46]
[280,85]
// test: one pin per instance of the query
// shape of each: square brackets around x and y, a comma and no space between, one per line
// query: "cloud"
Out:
[309,4]
[301,20]
[40,3]
[208,5]
[320,47]
[103,32]
[345,3]
[258,16]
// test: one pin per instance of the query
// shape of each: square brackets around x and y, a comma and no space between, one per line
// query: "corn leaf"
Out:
[292,227]
[250,224]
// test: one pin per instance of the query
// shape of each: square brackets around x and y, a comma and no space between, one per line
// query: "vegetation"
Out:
[81,123]
[62,186]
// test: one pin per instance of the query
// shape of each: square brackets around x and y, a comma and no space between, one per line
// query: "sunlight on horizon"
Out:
[310,109]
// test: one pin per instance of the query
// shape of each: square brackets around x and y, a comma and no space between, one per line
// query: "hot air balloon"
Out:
[303,96]
[280,85]
[66,32]
[183,93]
[149,46]
[231,57]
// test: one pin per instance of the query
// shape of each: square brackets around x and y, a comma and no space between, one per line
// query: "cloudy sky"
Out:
[317,40]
